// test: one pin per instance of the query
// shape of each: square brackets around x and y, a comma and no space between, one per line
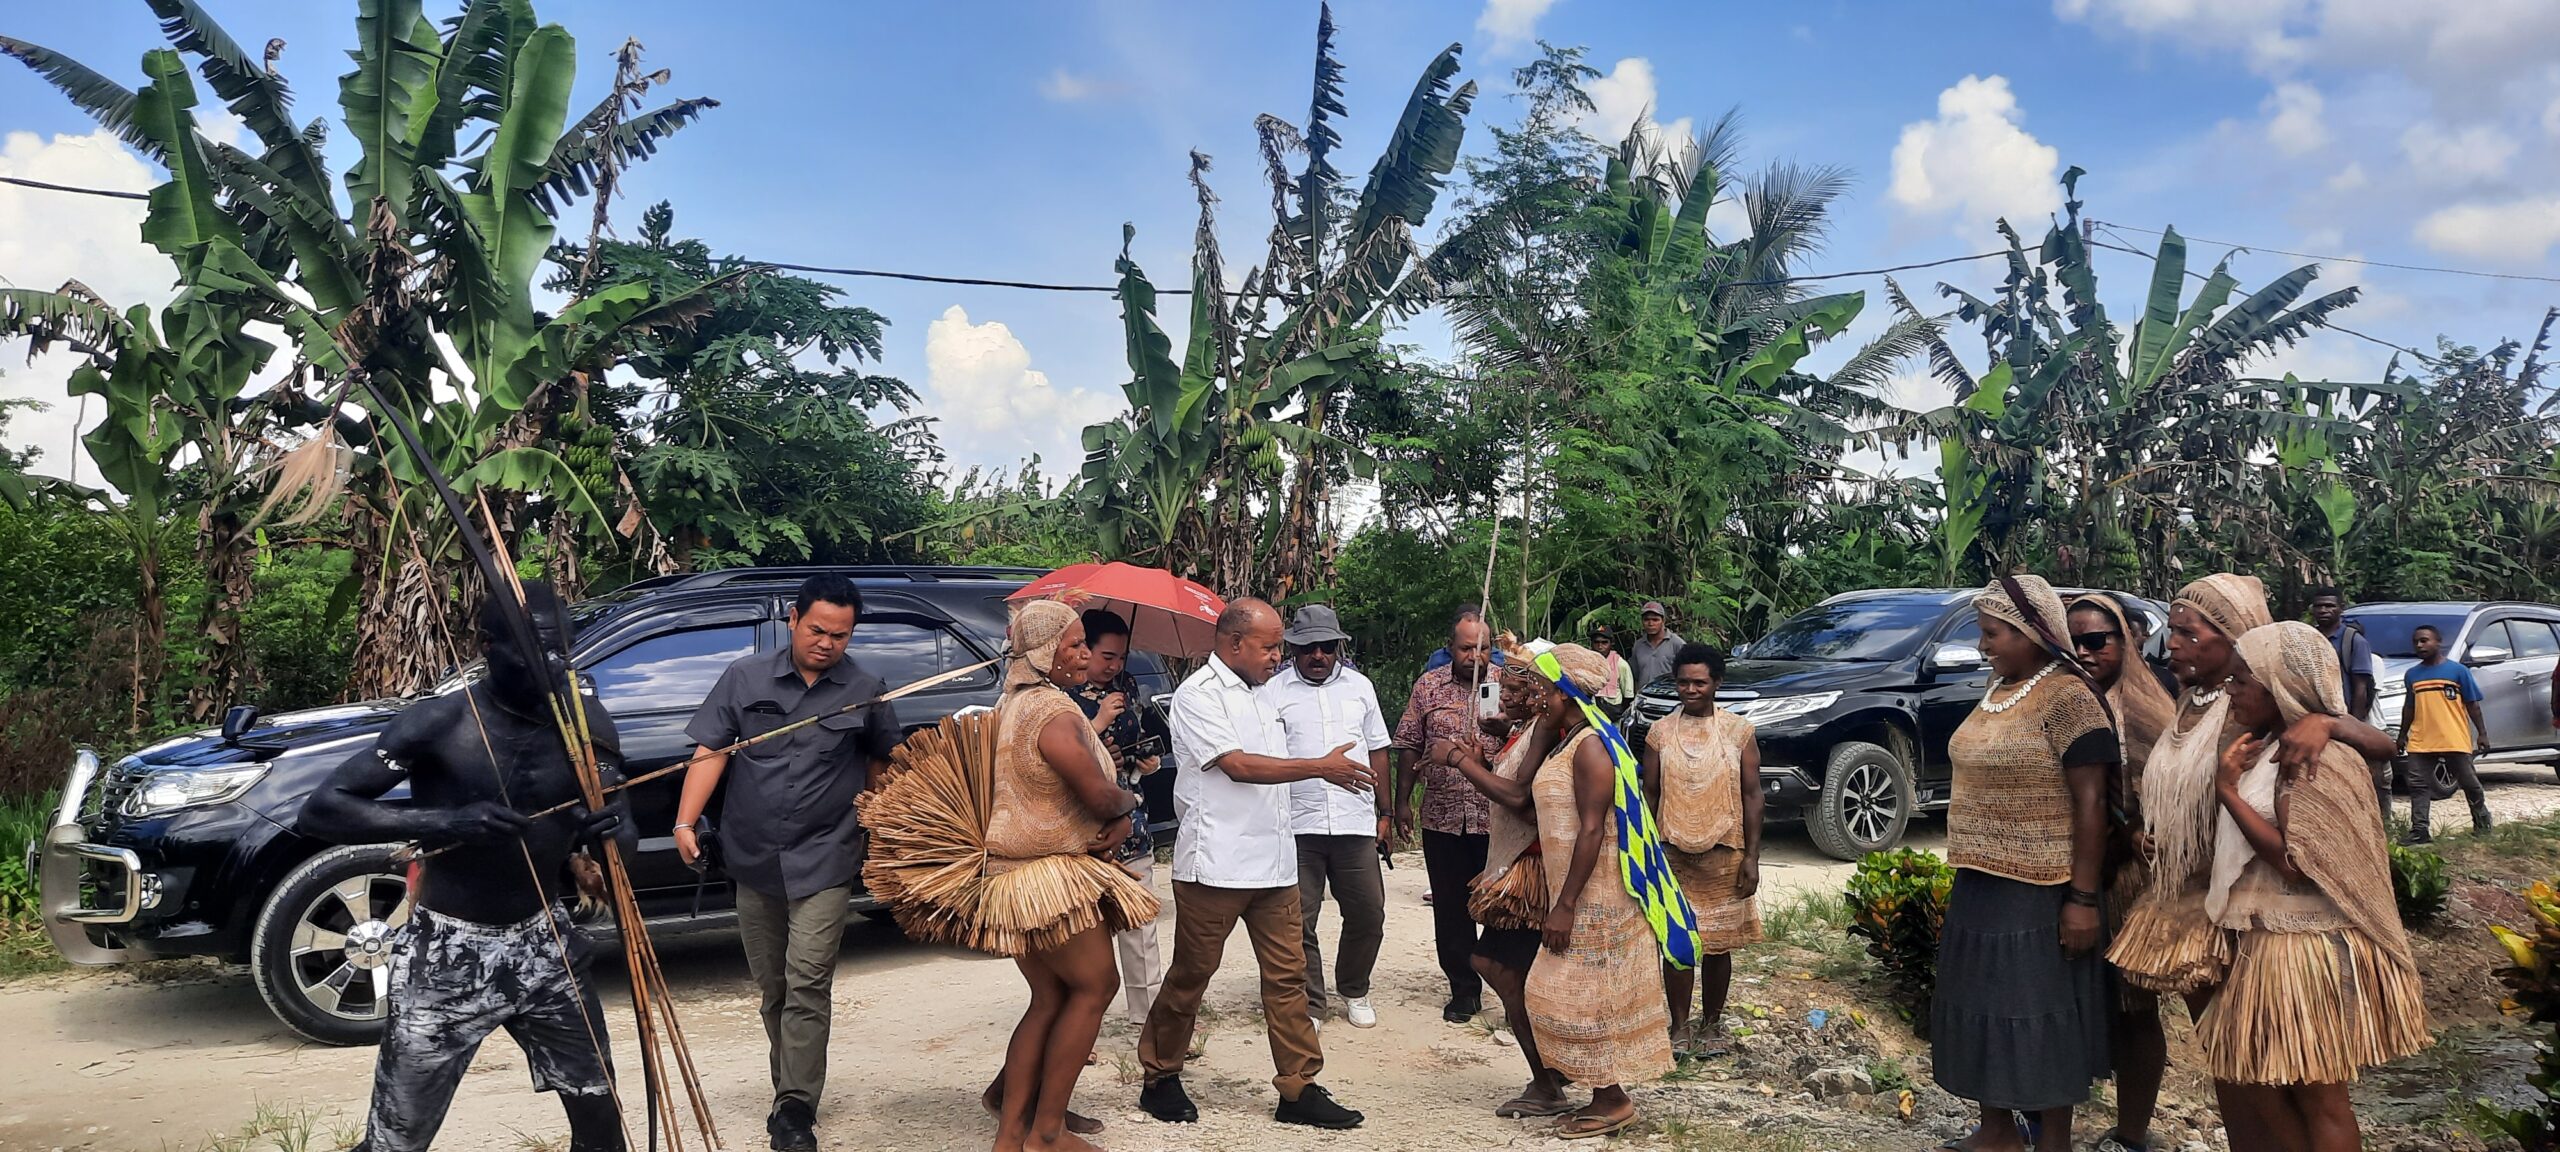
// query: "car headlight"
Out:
[1767,710]
[167,791]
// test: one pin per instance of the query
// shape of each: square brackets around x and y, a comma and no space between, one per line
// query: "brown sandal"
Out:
[1524,1106]
[1585,1125]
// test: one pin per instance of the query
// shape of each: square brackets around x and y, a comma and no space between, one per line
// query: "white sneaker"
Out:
[1319,1021]
[1360,1013]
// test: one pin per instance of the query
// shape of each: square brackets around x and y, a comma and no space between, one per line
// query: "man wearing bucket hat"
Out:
[1324,705]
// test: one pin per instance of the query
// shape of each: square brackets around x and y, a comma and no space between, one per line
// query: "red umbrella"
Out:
[1166,613]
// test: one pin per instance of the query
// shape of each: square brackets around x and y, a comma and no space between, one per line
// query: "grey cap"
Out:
[1315,624]
[1654,608]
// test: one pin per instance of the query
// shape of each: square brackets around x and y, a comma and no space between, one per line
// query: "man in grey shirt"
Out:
[788,838]
[1653,650]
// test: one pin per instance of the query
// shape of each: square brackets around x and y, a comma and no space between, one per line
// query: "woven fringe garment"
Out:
[1511,894]
[2322,983]
[928,859]
[2167,944]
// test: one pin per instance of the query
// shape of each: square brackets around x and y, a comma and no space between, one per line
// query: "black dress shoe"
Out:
[1316,1108]
[792,1127]
[1166,1101]
[1460,1011]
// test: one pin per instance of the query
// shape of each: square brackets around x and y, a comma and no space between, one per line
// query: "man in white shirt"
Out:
[1235,859]
[1322,706]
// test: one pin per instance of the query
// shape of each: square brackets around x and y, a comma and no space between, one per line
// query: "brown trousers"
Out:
[1203,918]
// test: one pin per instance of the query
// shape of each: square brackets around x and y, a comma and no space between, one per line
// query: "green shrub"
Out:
[2418,883]
[2533,991]
[1897,902]
[22,820]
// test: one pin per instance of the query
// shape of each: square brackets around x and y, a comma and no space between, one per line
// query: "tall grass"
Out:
[23,947]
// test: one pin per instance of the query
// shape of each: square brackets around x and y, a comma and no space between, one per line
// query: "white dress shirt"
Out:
[1233,834]
[1318,718]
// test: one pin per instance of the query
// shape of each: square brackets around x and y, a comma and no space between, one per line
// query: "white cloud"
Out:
[2348,179]
[994,406]
[47,238]
[2464,51]
[1974,163]
[2519,231]
[2468,156]
[1623,97]
[2294,123]
[1513,24]
[2551,118]
[1066,87]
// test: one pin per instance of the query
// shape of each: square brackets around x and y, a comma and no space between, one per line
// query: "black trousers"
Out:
[1452,859]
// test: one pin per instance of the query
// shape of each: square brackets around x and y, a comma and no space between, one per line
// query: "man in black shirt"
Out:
[788,837]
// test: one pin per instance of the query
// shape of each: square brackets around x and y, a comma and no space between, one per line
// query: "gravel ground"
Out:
[105,1061]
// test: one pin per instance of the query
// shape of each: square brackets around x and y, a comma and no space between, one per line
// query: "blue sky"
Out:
[1013,140]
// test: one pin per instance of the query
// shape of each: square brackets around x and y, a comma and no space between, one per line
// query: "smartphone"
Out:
[1489,700]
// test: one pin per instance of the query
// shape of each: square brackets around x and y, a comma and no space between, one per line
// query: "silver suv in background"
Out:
[2511,649]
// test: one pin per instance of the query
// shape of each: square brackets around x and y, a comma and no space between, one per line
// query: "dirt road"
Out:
[101,1061]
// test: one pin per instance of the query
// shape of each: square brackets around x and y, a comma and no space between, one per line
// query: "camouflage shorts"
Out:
[453,982]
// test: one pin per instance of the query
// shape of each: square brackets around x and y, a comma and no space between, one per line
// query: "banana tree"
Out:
[2107,450]
[1244,436]
[463,154]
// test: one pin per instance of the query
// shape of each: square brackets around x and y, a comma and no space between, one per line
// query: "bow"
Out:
[649,997]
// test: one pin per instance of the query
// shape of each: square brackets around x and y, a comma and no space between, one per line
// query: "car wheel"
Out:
[321,952]
[2442,785]
[1865,802]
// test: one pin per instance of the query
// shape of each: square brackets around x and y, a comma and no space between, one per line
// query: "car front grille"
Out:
[104,806]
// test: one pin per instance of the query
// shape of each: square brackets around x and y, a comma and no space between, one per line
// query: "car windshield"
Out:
[1879,629]
[2388,631]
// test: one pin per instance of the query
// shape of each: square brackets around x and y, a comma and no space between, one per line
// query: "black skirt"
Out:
[2015,1022]
[1514,948]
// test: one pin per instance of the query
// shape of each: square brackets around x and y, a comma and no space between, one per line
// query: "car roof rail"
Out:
[917,573]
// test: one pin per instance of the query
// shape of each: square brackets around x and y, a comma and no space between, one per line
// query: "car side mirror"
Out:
[238,719]
[1955,658]
[2487,654]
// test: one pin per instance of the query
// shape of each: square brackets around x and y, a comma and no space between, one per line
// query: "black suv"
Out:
[186,848]
[1854,700]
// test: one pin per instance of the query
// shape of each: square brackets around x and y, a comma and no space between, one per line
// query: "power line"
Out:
[2339,259]
[1039,286]
[23,182]
[2195,275]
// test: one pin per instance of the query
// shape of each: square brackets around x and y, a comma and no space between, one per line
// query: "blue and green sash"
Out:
[1642,867]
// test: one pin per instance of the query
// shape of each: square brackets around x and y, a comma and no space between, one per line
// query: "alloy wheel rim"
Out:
[1869,802]
[340,955]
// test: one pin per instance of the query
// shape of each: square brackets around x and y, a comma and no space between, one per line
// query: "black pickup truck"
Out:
[186,848]
[1854,699]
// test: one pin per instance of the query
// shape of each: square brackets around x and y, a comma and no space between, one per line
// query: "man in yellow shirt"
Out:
[2441,728]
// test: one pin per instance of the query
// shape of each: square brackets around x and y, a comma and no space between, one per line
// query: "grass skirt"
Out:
[2311,1008]
[2167,945]
[928,857]
[1515,899]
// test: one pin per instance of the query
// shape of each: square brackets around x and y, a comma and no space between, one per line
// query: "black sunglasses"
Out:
[2094,641]
[1328,647]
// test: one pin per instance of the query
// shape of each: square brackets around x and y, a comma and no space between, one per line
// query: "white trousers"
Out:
[1141,966]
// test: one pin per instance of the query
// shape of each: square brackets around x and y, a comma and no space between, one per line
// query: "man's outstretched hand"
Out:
[1340,770]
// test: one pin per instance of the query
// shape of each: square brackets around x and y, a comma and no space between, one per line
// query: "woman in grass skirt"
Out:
[995,833]
[2321,983]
